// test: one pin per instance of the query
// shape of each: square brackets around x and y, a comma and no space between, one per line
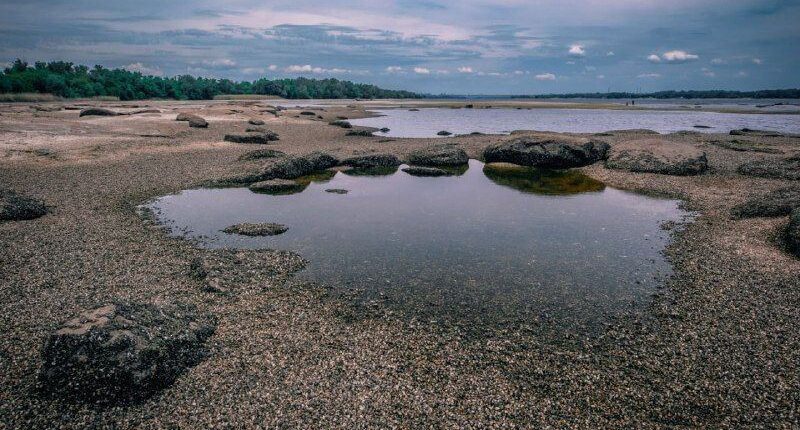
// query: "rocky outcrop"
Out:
[341,123]
[256,138]
[359,133]
[277,186]
[197,122]
[259,154]
[444,133]
[233,270]
[123,351]
[776,203]
[426,171]
[98,112]
[751,132]
[547,152]
[256,229]
[17,207]
[321,160]
[294,167]
[775,168]
[255,121]
[438,155]
[372,161]
[657,156]
[793,232]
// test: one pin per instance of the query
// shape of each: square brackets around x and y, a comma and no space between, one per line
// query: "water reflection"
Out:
[540,181]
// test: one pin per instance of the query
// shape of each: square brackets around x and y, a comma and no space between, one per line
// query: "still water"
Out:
[427,122]
[494,243]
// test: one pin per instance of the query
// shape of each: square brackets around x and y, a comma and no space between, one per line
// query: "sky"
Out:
[432,46]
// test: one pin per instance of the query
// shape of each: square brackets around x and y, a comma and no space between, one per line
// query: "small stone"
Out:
[336,191]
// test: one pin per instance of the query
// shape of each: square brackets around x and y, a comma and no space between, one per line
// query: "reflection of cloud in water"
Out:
[541,181]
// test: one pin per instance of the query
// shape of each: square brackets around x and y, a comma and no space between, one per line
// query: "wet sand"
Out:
[718,347]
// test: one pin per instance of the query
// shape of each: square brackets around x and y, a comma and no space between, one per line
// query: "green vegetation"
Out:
[709,94]
[65,79]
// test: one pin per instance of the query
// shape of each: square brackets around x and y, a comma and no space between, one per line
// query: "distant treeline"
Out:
[711,94]
[65,79]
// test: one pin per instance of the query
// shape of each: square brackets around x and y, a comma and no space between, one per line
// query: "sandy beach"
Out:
[717,347]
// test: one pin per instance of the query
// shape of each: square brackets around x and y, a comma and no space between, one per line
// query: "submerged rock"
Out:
[438,155]
[372,161]
[752,132]
[793,232]
[426,171]
[776,203]
[541,181]
[385,130]
[259,154]
[336,191]
[17,207]
[123,351]
[775,168]
[229,270]
[341,123]
[657,156]
[444,133]
[257,138]
[277,186]
[257,229]
[98,112]
[547,152]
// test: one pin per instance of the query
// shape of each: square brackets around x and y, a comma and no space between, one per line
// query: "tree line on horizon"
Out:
[790,93]
[65,79]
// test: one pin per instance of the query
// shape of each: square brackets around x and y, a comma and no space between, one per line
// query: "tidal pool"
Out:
[493,244]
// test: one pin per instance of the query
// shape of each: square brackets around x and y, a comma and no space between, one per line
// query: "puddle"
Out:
[492,244]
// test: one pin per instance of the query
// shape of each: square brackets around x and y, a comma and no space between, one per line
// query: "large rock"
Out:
[438,155]
[793,232]
[657,156]
[372,161]
[341,123]
[775,168]
[776,203]
[17,207]
[256,229]
[258,138]
[120,352]
[321,160]
[197,122]
[277,186]
[547,152]
[98,112]
[426,171]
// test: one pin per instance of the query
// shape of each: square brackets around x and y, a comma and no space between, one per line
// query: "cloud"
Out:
[653,58]
[601,76]
[465,69]
[577,50]
[717,61]
[757,61]
[742,74]
[272,68]
[708,72]
[678,56]
[649,76]
[222,63]
[421,71]
[307,68]
[545,77]
[394,69]
[145,70]
[610,54]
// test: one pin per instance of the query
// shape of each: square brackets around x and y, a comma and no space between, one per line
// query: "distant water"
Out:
[494,243]
[427,122]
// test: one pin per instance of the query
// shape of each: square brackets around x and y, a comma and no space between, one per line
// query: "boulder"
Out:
[444,133]
[657,156]
[773,204]
[751,132]
[256,121]
[123,351]
[438,155]
[184,116]
[277,186]
[98,112]
[257,229]
[261,153]
[426,171]
[341,123]
[360,133]
[17,207]
[336,191]
[385,130]
[233,270]
[197,122]
[793,232]
[547,152]
[372,161]
[744,146]
[257,138]
[309,113]
[775,168]
[321,160]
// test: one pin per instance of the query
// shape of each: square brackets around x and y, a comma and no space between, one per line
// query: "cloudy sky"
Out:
[436,46]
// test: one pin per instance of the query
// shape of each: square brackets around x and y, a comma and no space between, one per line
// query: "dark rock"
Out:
[336,191]
[320,160]
[469,106]
[744,146]
[444,133]
[257,138]
[17,207]
[541,181]
[413,110]
[277,186]
[261,153]
[360,133]
[305,112]
[385,130]
[341,123]
[184,116]
[257,229]
[372,161]
[657,156]
[426,171]
[256,121]
[701,126]
[197,122]
[793,232]
[775,168]
[98,112]
[438,155]
[231,270]
[121,352]
[271,135]
[776,203]
[751,132]
[547,152]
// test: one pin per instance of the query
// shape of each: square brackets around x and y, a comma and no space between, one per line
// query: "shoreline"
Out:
[714,341]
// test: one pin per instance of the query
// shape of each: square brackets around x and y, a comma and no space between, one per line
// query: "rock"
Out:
[336,191]
[341,123]
[197,122]
[744,146]
[305,112]
[361,133]
[444,133]
[372,161]
[232,270]
[184,116]
[469,106]
[541,181]
[257,138]
[413,110]
[657,156]
[261,153]
[320,160]
[775,168]
[438,155]
[17,207]
[277,186]
[751,132]
[271,135]
[793,232]
[46,108]
[257,229]
[426,171]
[98,112]
[256,121]
[701,126]
[123,351]
[776,203]
[143,111]
[547,152]
[385,130]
